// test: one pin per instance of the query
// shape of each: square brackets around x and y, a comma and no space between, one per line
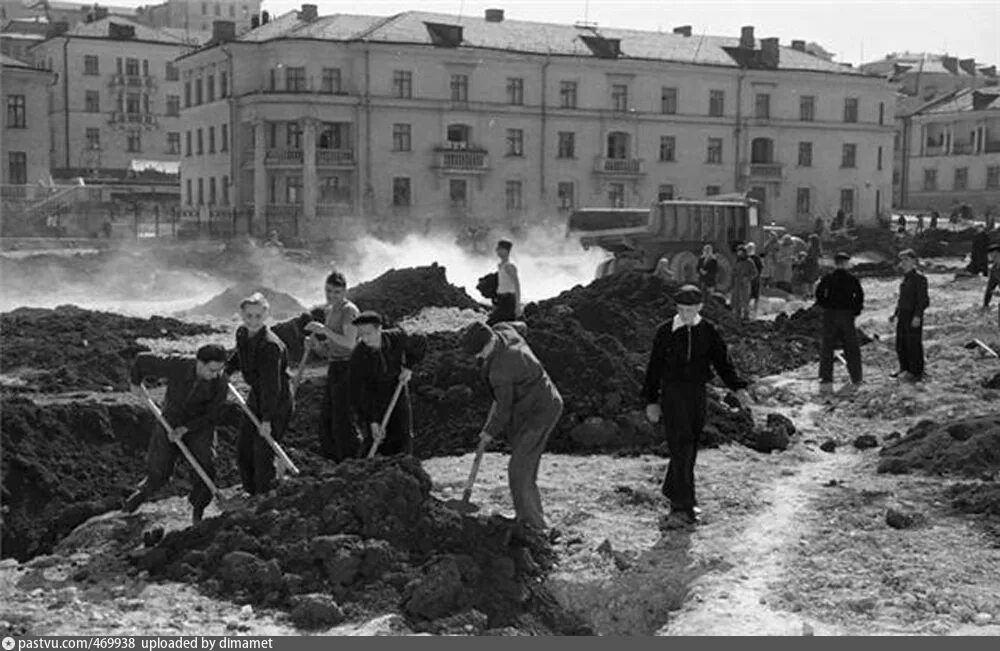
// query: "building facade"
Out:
[955,152]
[413,121]
[25,144]
[198,15]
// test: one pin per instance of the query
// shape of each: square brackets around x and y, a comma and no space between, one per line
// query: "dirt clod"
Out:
[899,517]
[828,445]
[969,447]
[315,610]
[866,442]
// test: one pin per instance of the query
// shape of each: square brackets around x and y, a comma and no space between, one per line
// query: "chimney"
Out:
[951,63]
[265,17]
[799,46]
[254,21]
[494,15]
[683,30]
[746,37]
[769,52]
[968,65]
[223,31]
[309,13]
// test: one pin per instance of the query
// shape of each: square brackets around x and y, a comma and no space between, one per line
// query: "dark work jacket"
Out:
[840,290]
[980,248]
[375,372]
[263,361]
[991,284]
[190,401]
[913,298]
[688,355]
[708,269]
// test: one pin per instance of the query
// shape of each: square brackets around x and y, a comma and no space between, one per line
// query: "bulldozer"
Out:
[669,235]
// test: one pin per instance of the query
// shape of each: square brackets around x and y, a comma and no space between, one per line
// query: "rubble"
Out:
[968,448]
[400,293]
[227,304]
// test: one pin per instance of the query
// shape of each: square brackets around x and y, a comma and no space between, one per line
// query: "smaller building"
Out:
[926,75]
[26,137]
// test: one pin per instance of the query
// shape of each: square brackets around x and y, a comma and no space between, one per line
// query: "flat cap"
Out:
[474,337]
[688,295]
[842,255]
[908,253]
[368,317]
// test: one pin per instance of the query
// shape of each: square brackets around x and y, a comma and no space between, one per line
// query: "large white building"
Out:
[417,119]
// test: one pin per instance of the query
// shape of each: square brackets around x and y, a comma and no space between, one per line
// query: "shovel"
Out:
[220,501]
[260,430]
[380,435]
[301,370]
[979,343]
[463,505]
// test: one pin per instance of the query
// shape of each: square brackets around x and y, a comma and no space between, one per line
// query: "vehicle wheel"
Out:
[684,265]
[724,281]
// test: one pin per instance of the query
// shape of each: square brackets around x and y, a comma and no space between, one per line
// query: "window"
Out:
[716,103]
[200,139]
[225,187]
[847,201]
[335,135]
[120,65]
[134,142]
[401,137]
[851,109]
[199,96]
[512,192]
[515,142]
[618,145]
[665,192]
[565,193]
[145,67]
[17,168]
[714,150]
[232,11]
[218,9]
[145,105]
[457,192]
[92,101]
[189,199]
[272,134]
[807,108]
[668,101]
[879,161]
[930,179]
[204,9]
[187,94]
[896,177]
[460,88]
[132,67]
[201,192]
[211,191]
[223,92]
[273,82]
[896,140]
[402,84]
[401,195]
[293,189]
[224,138]
[881,113]
[330,190]
[712,190]
[567,145]
[619,97]
[172,73]
[567,94]
[515,91]
[762,105]
[90,65]
[16,112]
[616,195]
[331,80]
[174,142]
[211,140]
[668,146]
[293,135]
[993,177]
[93,138]
[961,178]
[187,143]
[803,201]
[805,154]
[173,105]
[847,158]
[295,79]
[210,87]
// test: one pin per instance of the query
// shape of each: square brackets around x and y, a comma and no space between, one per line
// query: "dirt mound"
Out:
[368,536]
[227,304]
[69,348]
[969,448]
[399,293]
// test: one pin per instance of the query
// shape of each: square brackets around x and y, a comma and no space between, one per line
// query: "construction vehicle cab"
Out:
[640,238]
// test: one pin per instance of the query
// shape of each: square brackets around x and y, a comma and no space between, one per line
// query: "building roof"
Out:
[905,62]
[189,36]
[11,62]
[962,101]
[99,29]
[529,37]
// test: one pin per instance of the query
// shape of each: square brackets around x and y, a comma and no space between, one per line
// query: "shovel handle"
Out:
[385,419]
[301,370]
[260,430]
[982,344]
[467,491]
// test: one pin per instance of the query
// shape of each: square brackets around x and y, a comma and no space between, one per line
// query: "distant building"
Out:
[197,16]
[25,141]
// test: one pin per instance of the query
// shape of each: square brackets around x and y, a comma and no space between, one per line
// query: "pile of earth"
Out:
[863,238]
[890,268]
[227,304]
[363,538]
[69,348]
[966,448]
[399,293]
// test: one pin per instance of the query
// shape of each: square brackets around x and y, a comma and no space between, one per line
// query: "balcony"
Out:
[934,150]
[136,119]
[992,147]
[961,148]
[335,158]
[131,81]
[461,160]
[619,166]
[338,209]
[282,157]
[766,170]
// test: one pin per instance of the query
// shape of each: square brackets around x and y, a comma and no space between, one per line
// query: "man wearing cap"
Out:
[840,296]
[526,407]
[507,304]
[196,392]
[909,317]
[684,349]
[382,359]
[994,278]
[744,275]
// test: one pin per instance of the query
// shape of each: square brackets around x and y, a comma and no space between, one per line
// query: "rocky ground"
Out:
[824,532]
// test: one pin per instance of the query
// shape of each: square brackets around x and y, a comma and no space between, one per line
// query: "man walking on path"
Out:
[909,317]
[979,257]
[840,296]
[755,285]
[994,278]
[526,407]
[744,275]
[685,349]
[195,395]
[507,305]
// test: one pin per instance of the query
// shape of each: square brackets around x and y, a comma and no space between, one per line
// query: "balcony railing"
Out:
[283,156]
[992,147]
[117,117]
[336,209]
[132,81]
[620,166]
[934,150]
[766,170]
[334,157]
[462,159]
[959,148]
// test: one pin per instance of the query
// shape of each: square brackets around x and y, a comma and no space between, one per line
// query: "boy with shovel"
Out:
[195,395]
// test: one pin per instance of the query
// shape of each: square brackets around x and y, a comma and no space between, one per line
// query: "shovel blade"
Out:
[461,506]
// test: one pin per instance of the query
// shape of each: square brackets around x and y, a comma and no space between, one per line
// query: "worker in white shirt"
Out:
[507,305]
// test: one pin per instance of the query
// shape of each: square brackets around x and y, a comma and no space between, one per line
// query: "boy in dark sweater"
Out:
[684,349]
[840,295]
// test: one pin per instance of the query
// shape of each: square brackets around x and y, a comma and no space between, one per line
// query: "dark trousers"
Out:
[162,457]
[838,327]
[254,456]
[399,429]
[683,405]
[527,443]
[504,309]
[910,344]
[338,436]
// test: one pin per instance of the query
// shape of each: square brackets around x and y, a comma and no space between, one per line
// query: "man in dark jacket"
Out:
[195,394]
[909,317]
[994,278]
[382,359]
[262,359]
[526,407]
[979,259]
[840,296]
[684,349]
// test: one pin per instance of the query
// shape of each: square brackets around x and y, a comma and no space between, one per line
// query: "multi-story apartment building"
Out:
[117,98]
[24,143]
[199,14]
[413,118]
[955,152]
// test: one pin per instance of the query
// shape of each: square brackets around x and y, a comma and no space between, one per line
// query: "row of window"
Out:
[218,192]
[199,141]
[131,103]
[202,89]
[128,66]
[218,10]
[133,141]
[960,179]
